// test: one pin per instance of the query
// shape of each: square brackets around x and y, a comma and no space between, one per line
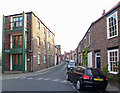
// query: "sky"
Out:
[67,19]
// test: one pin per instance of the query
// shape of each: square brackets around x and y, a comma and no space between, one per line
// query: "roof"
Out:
[35,16]
[108,12]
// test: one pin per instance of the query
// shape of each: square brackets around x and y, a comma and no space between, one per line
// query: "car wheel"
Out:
[78,85]
[67,77]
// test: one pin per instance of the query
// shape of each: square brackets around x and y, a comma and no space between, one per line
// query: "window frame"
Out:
[109,67]
[38,58]
[44,58]
[38,41]
[108,32]
[38,24]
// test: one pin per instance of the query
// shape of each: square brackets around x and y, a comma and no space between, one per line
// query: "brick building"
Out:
[27,45]
[103,41]
[57,54]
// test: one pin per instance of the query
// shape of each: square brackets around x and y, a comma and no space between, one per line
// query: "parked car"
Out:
[70,65]
[87,77]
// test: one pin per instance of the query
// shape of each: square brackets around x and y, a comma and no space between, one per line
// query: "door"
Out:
[97,60]
[17,62]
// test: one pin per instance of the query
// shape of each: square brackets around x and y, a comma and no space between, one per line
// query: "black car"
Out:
[87,77]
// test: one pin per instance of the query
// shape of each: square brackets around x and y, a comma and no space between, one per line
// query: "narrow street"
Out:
[50,80]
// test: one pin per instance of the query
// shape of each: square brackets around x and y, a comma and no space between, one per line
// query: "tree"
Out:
[84,55]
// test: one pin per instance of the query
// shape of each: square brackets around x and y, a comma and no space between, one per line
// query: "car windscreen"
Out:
[72,63]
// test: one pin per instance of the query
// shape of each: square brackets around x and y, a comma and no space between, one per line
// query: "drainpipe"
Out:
[3,51]
[31,45]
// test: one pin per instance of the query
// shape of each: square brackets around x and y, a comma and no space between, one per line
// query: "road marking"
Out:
[29,78]
[64,81]
[39,78]
[22,78]
[56,80]
[47,79]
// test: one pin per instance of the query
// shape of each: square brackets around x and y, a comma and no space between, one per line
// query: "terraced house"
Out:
[27,45]
[102,40]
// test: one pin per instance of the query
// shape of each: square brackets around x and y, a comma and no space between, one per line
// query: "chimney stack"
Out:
[103,12]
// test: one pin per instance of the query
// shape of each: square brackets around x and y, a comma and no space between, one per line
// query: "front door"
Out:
[17,61]
[97,61]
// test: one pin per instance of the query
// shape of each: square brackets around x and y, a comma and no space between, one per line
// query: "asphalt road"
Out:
[50,80]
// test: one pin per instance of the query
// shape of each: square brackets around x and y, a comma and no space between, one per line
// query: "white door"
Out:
[90,59]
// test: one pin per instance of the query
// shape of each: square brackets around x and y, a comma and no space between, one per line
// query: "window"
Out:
[112,25]
[113,58]
[17,22]
[44,59]
[51,36]
[38,58]
[38,25]
[44,45]
[48,34]
[48,46]
[43,30]
[38,41]
[89,39]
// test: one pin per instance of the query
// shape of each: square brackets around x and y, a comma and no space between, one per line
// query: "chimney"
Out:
[103,12]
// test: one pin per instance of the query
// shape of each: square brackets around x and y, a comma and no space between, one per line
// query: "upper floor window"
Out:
[51,36]
[38,24]
[112,25]
[38,41]
[17,22]
[44,45]
[48,34]
[43,30]
[48,46]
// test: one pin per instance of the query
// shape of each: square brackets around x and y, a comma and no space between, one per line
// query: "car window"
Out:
[80,70]
[72,63]
[89,72]
[97,72]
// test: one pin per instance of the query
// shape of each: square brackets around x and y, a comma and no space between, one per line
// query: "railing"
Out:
[14,45]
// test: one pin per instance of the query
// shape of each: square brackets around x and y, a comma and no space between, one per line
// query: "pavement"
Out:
[112,87]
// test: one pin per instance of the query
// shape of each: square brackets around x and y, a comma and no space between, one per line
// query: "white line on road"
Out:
[47,79]
[56,80]
[64,81]
[39,78]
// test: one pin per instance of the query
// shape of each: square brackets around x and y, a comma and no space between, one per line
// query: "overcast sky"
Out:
[67,19]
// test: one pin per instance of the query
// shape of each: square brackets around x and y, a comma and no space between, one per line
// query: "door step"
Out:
[13,72]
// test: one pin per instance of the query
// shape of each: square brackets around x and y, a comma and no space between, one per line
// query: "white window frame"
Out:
[108,32]
[38,58]
[38,24]
[48,46]
[44,45]
[38,40]
[44,59]
[43,30]
[109,59]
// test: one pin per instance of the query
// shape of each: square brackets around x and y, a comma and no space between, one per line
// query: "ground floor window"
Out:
[44,59]
[113,58]
[38,58]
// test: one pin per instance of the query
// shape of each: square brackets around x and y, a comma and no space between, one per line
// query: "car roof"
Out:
[86,67]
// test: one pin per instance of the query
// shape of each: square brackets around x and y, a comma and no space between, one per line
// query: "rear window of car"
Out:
[97,72]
